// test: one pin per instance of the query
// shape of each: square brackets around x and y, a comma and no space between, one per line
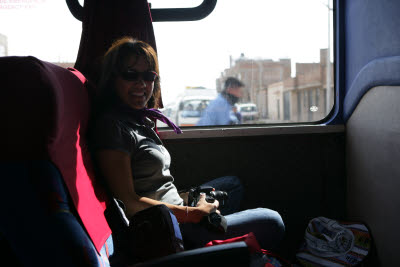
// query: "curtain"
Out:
[103,22]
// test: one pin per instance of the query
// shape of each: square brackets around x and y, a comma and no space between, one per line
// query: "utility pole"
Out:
[261,102]
[328,63]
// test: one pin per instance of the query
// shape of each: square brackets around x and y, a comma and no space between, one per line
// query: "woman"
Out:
[134,163]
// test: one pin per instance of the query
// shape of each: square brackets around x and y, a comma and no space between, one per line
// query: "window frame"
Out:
[202,11]
[331,116]
[160,14]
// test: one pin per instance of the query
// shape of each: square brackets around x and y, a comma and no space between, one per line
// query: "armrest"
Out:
[232,254]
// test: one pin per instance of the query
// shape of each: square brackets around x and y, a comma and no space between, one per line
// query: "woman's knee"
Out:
[234,184]
[234,181]
[272,226]
[230,184]
[231,181]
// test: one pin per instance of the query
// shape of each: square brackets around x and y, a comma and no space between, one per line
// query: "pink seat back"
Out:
[45,110]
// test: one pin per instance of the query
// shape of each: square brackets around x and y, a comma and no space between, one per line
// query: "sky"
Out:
[190,53]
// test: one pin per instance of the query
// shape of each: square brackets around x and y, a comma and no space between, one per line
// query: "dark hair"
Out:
[232,82]
[112,64]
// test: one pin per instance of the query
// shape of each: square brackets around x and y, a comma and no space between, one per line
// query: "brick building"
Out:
[278,96]
[256,75]
[303,97]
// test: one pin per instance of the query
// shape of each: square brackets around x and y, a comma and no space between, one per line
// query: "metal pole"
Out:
[328,64]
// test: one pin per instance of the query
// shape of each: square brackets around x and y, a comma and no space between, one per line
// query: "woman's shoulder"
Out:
[106,118]
[104,122]
[108,130]
[114,119]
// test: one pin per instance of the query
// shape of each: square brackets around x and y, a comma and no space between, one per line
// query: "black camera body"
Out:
[214,221]
[211,195]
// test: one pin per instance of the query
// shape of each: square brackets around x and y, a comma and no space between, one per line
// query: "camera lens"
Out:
[220,195]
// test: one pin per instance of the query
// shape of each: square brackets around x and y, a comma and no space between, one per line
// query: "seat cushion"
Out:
[41,227]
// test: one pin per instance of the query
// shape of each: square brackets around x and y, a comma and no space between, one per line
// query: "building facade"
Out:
[257,75]
[280,97]
[303,98]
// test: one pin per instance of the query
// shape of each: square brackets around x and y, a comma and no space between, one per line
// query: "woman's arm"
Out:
[115,167]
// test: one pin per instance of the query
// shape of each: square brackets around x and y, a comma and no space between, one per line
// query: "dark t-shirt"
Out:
[150,160]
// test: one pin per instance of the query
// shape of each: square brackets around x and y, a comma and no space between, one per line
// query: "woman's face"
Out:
[135,93]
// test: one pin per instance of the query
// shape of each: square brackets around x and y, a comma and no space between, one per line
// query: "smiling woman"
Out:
[132,160]
[135,93]
[129,74]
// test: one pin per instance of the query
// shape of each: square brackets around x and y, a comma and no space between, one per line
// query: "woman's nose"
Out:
[140,82]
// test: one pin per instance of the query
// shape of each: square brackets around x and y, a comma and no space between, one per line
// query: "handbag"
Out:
[150,233]
[154,232]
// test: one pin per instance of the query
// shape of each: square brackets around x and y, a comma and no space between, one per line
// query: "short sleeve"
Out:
[110,133]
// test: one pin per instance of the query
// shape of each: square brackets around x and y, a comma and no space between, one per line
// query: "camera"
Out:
[211,195]
[214,221]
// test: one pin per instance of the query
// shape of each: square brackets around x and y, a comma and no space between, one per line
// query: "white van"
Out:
[248,111]
[190,106]
[191,109]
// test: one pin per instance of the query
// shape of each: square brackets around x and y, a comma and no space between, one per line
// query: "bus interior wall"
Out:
[371,78]
[301,176]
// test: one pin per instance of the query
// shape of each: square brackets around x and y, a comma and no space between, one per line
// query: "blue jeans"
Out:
[266,224]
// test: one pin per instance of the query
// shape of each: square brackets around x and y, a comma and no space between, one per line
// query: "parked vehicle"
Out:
[188,108]
[248,111]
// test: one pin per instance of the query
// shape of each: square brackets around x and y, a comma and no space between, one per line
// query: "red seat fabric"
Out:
[45,110]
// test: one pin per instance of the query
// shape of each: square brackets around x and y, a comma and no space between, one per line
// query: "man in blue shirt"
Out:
[219,111]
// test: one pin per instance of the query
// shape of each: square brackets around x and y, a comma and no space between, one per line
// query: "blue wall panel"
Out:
[372,33]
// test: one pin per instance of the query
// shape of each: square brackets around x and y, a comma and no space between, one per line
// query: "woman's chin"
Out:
[137,102]
[137,106]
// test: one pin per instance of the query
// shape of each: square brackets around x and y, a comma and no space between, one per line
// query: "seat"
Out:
[41,226]
[45,111]
[52,206]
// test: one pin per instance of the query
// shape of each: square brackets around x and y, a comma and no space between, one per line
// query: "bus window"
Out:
[280,50]
[44,29]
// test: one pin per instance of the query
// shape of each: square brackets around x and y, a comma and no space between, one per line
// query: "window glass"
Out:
[44,29]
[278,49]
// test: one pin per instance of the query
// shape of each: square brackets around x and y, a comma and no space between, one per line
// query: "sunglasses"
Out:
[129,75]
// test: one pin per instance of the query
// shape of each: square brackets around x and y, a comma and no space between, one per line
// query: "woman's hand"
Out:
[203,208]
